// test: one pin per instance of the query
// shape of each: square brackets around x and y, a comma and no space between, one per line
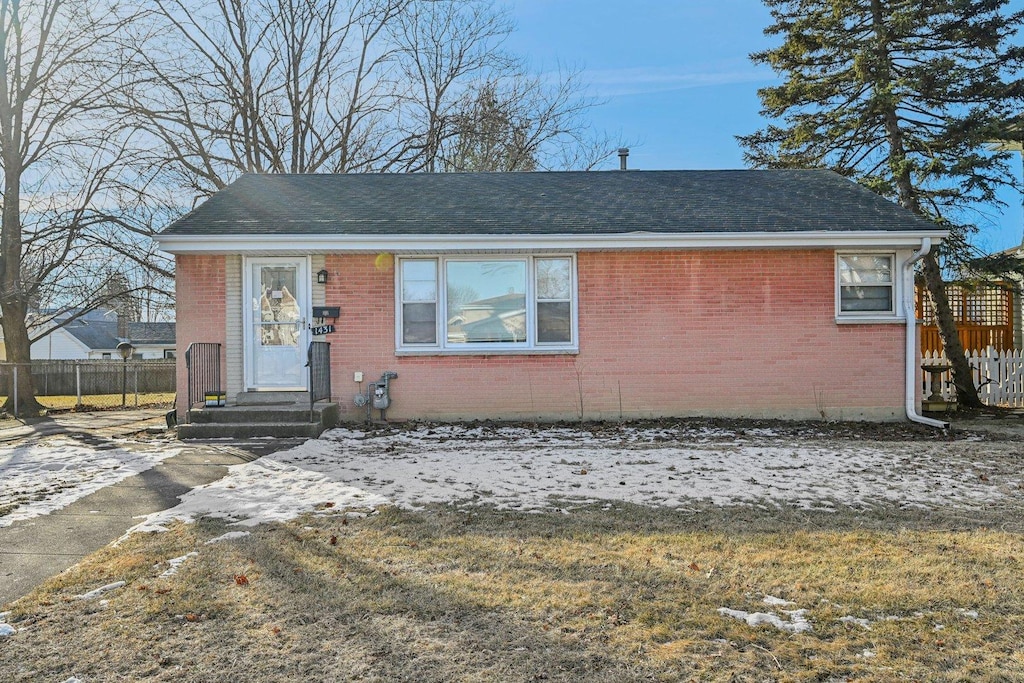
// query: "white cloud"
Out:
[647,80]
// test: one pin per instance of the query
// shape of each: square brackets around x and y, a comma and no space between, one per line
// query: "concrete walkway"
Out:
[33,550]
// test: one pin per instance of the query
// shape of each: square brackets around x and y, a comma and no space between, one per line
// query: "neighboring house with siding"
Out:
[95,336]
[544,296]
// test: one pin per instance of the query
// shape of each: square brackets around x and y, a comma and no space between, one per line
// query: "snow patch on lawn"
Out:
[266,490]
[174,563]
[565,468]
[5,628]
[849,619]
[96,592]
[776,602]
[40,477]
[531,469]
[797,619]
[546,468]
[229,536]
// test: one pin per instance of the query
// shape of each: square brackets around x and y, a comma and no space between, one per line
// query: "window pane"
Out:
[865,283]
[855,298]
[554,322]
[868,269]
[486,301]
[554,279]
[419,323]
[277,300]
[419,281]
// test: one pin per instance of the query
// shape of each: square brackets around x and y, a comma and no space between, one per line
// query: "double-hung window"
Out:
[866,286]
[487,304]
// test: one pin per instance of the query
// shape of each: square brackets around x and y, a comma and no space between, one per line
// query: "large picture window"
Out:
[866,284]
[486,303]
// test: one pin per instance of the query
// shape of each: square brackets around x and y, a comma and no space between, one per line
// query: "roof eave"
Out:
[263,244]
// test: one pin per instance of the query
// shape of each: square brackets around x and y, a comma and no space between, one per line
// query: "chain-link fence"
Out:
[92,384]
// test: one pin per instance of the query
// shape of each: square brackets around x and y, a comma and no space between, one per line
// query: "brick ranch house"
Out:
[538,296]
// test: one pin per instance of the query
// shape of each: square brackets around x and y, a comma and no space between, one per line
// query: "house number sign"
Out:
[317,330]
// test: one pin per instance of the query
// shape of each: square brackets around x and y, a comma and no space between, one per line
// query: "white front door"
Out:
[276,337]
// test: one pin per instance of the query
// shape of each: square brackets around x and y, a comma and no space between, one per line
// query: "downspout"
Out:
[911,354]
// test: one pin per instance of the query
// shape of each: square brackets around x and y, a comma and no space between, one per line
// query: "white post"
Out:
[991,376]
[78,384]
[15,390]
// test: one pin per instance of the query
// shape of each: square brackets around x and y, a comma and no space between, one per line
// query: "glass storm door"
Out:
[277,335]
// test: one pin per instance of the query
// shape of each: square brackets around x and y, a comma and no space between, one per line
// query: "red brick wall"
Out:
[661,333]
[200,310]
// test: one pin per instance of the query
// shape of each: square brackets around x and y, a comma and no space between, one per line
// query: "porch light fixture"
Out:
[321,277]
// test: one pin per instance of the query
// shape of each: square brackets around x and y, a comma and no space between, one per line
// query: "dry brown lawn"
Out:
[103,401]
[626,594]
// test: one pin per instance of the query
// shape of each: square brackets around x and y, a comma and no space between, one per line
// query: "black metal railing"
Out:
[202,363]
[318,360]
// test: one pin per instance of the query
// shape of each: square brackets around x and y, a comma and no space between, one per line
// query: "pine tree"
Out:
[901,96]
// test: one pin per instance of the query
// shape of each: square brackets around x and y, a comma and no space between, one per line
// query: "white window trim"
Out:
[895,314]
[529,347]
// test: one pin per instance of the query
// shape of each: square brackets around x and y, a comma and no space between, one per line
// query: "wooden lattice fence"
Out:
[983,315]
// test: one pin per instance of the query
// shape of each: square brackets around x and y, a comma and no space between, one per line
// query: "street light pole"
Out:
[125,349]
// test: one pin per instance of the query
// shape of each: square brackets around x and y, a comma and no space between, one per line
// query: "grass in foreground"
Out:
[618,595]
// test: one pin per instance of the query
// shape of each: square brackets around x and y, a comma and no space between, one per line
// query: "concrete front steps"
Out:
[261,414]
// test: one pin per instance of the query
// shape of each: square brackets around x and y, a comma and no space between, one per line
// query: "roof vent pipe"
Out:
[623,155]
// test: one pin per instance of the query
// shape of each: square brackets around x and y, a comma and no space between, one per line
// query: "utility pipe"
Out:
[912,355]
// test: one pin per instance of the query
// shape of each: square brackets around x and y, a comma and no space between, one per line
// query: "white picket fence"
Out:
[999,376]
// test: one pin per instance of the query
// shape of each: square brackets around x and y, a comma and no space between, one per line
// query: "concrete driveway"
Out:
[32,550]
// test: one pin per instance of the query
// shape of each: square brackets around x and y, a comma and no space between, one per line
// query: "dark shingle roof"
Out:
[588,203]
[93,333]
[151,333]
[103,334]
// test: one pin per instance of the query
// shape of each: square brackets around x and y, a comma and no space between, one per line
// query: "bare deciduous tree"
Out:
[65,188]
[340,86]
[523,123]
[108,110]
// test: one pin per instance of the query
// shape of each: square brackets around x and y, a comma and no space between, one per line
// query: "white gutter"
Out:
[912,355]
[327,243]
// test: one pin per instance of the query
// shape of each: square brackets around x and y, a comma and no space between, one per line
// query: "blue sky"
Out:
[676,81]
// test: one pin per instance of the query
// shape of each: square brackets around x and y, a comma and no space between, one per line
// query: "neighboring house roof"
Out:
[157,334]
[103,334]
[94,334]
[548,203]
